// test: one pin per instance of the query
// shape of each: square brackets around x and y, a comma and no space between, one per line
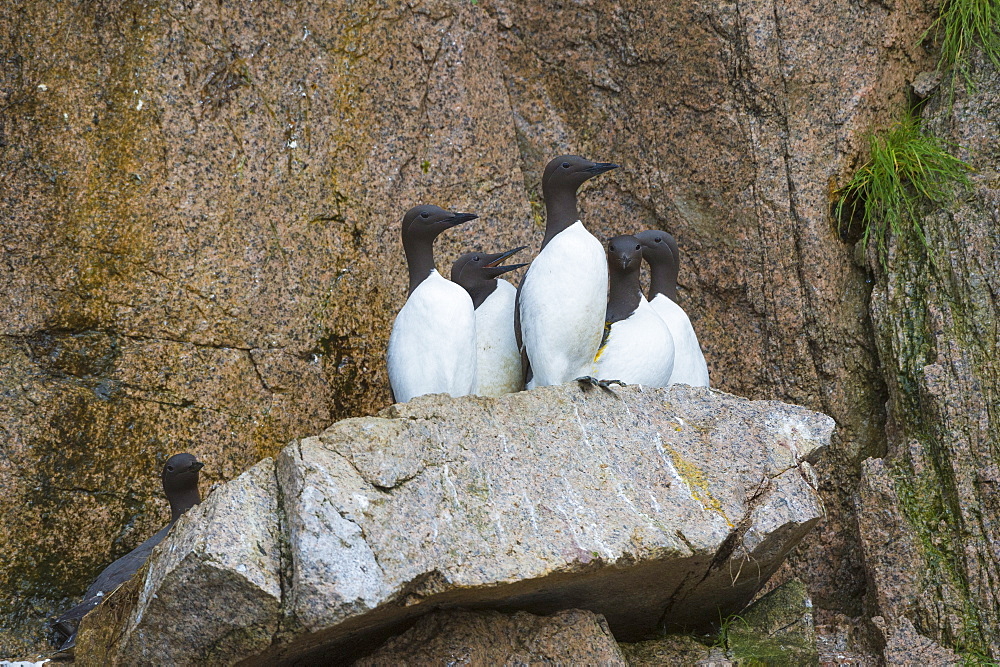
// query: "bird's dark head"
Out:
[571,171]
[657,247]
[181,473]
[426,221]
[624,254]
[477,272]
[475,267]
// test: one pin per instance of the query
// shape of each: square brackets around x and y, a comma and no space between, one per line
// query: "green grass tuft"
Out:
[961,25]
[905,169]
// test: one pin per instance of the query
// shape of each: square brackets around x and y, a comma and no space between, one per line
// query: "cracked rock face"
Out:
[655,508]
[934,497]
[201,207]
[196,200]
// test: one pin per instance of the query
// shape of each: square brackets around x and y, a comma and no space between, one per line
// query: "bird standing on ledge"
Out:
[498,360]
[432,347]
[637,346]
[660,250]
[563,297]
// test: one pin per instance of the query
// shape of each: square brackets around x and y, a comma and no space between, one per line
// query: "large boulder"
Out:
[659,509]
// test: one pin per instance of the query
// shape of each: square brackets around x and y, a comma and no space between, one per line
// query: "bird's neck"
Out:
[560,212]
[662,280]
[623,297]
[182,501]
[419,260]
[482,291]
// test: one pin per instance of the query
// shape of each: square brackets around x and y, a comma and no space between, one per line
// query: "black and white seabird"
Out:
[563,296]
[498,359]
[432,347]
[660,250]
[637,346]
[180,484]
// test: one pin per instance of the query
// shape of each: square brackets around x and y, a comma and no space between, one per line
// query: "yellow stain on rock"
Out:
[697,483]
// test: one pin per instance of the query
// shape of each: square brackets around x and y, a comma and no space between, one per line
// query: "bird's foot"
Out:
[588,381]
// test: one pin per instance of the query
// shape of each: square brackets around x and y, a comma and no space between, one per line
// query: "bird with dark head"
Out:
[561,181]
[624,262]
[637,347]
[421,226]
[477,272]
[180,484]
[660,250]
[498,360]
[432,347]
[563,296]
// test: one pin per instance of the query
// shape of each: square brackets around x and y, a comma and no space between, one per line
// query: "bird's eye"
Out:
[425,215]
[476,258]
[658,239]
[637,247]
[565,165]
[170,468]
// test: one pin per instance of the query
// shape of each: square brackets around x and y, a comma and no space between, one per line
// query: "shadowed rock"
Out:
[656,508]
[489,638]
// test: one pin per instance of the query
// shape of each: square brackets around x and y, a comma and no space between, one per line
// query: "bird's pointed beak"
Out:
[600,168]
[196,466]
[494,271]
[625,261]
[459,218]
[495,259]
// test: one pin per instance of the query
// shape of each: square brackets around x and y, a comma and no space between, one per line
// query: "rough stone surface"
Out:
[906,647]
[777,629]
[892,552]
[736,123]
[201,206]
[938,321]
[572,637]
[198,196]
[656,508]
[668,650]
[210,593]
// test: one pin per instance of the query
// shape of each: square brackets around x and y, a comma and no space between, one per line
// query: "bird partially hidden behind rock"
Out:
[660,251]
[432,347]
[180,484]
[637,347]
[498,359]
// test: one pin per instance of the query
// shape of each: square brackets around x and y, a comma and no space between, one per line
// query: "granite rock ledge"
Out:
[656,508]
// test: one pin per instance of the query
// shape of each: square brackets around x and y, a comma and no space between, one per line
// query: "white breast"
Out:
[432,347]
[563,299]
[689,361]
[639,350]
[498,361]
